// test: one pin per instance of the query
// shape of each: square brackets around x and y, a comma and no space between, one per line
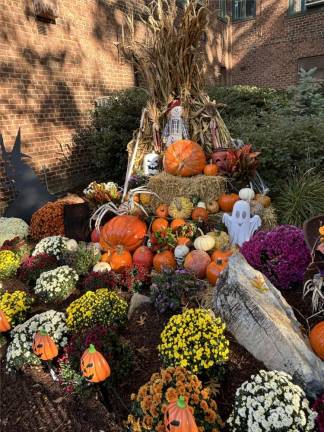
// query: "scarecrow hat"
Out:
[173,104]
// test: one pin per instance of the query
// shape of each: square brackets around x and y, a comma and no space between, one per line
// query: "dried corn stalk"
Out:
[46,8]
[171,61]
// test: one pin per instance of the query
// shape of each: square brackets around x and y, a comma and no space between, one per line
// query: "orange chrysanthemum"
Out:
[171,394]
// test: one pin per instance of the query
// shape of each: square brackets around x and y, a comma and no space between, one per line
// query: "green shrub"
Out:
[285,142]
[301,198]
[112,127]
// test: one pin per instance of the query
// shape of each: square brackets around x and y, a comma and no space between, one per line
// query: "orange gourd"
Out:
[120,259]
[94,367]
[126,230]
[159,224]
[199,214]
[316,339]
[214,269]
[164,260]
[179,418]
[44,346]
[4,323]
[226,201]
[184,158]
[106,257]
[183,241]
[143,256]
[211,170]
[162,211]
[221,255]
[177,223]
[197,262]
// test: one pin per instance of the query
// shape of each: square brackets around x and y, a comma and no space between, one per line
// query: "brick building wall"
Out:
[50,76]
[265,51]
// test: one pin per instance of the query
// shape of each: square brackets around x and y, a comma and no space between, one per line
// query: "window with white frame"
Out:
[222,9]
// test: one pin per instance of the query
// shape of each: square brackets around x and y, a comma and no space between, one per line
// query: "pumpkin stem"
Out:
[219,261]
[181,403]
[42,332]
[91,349]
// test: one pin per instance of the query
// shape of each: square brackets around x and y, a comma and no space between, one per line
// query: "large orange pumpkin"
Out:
[226,201]
[143,256]
[179,418]
[177,223]
[197,262]
[184,158]
[128,231]
[164,260]
[211,170]
[120,259]
[94,367]
[159,224]
[44,346]
[4,323]
[162,211]
[316,339]
[199,214]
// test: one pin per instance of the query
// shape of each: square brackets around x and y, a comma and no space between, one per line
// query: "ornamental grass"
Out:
[152,399]
[195,340]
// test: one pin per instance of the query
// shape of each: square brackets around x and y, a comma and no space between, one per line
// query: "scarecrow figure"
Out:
[175,129]
[240,225]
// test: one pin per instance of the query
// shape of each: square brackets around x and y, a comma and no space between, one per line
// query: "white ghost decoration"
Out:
[240,225]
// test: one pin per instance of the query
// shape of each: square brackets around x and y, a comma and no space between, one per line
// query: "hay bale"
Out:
[269,218]
[167,187]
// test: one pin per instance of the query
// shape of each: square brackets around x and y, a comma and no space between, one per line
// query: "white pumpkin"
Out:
[181,251]
[247,194]
[201,204]
[72,245]
[204,243]
[101,267]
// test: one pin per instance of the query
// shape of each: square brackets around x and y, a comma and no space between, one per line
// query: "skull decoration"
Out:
[240,225]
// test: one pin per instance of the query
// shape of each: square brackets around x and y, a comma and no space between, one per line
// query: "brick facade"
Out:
[265,50]
[50,77]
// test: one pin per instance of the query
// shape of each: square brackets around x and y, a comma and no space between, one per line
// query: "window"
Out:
[222,9]
[243,9]
[297,6]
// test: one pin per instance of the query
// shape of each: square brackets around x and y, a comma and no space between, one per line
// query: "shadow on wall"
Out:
[50,80]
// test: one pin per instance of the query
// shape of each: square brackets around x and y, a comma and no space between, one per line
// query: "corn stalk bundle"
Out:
[171,61]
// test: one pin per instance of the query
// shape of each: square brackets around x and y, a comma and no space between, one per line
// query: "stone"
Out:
[263,322]
[137,300]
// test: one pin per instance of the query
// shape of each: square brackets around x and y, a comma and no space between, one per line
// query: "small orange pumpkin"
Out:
[136,198]
[44,346]
[106,257]
[159,224]
[184,158]
[214,269]
[226,201]
[316,339]
[197,262]
[162,211]
[94,367]
[199,214]
[211,170]
[4,323]
[120,259]
[177,223]
[183,241]
[164,260]
[179,418]
[221,255]
[263,199]
[143,256]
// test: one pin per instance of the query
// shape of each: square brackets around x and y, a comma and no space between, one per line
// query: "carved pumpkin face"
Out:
[94,367]
[44,346]
[179,418]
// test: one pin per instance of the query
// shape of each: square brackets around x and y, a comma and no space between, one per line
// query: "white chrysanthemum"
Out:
[11,228]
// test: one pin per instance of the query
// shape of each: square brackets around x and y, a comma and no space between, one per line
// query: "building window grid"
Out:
[243,9]
[297,6]
[222,12]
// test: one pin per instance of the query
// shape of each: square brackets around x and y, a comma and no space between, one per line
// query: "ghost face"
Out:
[241,213]
[176,112]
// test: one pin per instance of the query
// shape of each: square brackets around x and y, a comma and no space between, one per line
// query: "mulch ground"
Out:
[32,401]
